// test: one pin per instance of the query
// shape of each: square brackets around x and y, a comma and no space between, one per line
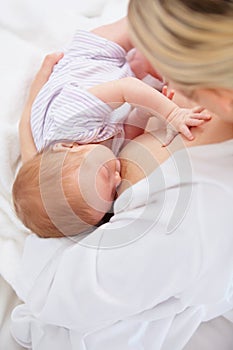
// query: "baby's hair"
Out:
[189,41]
[46,195]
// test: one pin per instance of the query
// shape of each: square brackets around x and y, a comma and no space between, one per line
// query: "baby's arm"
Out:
[139,94]
[27,145]
[139,116]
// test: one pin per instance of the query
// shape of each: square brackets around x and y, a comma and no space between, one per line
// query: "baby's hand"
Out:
[180,121]
[168,94]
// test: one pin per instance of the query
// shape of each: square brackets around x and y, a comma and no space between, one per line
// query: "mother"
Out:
[191,43]
[164,263]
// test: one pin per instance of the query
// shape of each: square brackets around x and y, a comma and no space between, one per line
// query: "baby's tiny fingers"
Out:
[201,116]
[164,90]
[194,122]
[170,135]
[184,130]
[171,94]
[198,109]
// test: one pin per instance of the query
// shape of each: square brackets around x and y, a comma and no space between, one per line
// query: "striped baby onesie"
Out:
[65,110]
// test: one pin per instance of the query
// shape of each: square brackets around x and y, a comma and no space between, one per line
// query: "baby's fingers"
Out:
[164,90]
[170,135]
[184,130]
[198,109]
[194,122]
[169,94]
[201,116]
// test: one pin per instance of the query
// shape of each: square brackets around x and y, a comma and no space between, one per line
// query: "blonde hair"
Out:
[189,41]
[46,196]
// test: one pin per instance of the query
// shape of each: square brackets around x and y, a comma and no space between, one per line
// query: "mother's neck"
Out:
[214,131]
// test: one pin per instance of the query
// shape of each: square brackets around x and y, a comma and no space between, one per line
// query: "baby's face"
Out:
[98,177]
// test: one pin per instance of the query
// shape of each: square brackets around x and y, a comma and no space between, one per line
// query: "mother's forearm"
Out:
[27,145]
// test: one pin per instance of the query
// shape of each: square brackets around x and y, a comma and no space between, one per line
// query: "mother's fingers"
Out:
[48,64]
[43,74]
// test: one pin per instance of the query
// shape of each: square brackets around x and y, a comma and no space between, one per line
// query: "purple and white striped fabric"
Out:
[65,110]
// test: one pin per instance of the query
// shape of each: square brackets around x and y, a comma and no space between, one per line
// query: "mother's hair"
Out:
[189,41]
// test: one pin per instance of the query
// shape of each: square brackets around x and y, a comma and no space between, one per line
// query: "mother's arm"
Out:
[27,145]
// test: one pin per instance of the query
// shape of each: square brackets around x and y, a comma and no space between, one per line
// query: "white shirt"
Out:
[146,279]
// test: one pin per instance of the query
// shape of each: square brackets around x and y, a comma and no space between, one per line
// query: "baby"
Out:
[69,181]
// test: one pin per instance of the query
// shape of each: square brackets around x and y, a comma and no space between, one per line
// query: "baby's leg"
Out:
[116,32]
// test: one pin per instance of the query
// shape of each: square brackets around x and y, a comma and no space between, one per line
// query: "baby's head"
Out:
[66,189]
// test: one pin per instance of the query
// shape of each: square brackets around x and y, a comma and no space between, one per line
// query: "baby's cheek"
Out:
[104,190]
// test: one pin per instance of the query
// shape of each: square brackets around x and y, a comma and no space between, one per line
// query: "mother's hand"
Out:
[27,146]
[43,74]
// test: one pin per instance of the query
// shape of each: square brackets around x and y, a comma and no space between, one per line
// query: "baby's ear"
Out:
[64,146]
